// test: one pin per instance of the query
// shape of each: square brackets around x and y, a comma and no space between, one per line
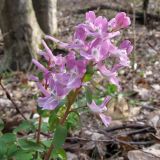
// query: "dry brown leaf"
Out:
[125,147]
[140,155]
[118,108]
[154,119]
[154,150]
[72,156]
[89,146]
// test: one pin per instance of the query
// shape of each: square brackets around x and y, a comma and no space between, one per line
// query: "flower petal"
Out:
[48,103]
[105,119]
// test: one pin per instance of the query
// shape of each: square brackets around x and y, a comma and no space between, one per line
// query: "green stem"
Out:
[62,121]
[39,129]
[49,152]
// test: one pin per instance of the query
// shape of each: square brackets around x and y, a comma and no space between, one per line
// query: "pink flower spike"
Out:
[39,66]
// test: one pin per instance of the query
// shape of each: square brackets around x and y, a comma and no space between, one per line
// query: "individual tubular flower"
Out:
[111,75]
[126,45]
[99,109]
[48,102]
[97,50]
[49,55]
[120,21]
[96,26]
[39,66]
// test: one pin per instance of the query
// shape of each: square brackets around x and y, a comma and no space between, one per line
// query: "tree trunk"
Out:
[46,15]
[145,7]
[21,33]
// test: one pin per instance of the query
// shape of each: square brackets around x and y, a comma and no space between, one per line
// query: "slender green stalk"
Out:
[39,129]
[62,121]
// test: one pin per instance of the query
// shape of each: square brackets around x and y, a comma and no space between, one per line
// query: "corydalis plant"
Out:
[92,45]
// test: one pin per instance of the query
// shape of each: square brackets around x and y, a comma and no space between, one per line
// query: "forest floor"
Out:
[135,129]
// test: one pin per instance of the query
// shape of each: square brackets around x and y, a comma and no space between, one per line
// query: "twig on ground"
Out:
[147,129]
[136,143]
[124,126]
[10,98]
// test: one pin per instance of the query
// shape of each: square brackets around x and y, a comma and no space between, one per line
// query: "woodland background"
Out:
[134,132]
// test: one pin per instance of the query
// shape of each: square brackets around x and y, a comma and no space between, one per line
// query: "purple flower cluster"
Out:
[92,45]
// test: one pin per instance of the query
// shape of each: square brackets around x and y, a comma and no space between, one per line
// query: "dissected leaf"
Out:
[111,89]
[47,143]
[87,77]
[40,76]
[25,126]
[72,120]
[43,113]
[23,155]
[53,121]
[88,94]
[12,149]
[59,136]
[59,153]
[29,145]
[8,138]
[6,141]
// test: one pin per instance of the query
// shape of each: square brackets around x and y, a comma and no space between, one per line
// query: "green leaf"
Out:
[43,113]
[44,126]
[5,141]
[59,136]
[25,126]
[40,76]
[29,145]
[47,143]
[61,103]
[8,138]
[3,150]
[88,94]
[111,89]
[23,155]
[1,125]
[90,69]
[59,154]
[53,121]
[87,77]
[72,120]
[12,149]
[98,101]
